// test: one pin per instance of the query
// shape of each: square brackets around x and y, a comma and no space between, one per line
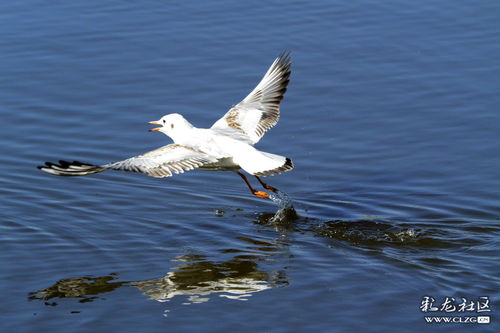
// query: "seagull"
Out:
[226,146]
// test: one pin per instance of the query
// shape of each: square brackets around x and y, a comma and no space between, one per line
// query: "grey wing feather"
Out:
[164,161]
[260,110]
[161,162]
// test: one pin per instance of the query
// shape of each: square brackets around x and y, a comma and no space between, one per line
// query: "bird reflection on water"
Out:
[196,279]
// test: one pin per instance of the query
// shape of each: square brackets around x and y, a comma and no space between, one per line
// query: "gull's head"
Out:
[171,124]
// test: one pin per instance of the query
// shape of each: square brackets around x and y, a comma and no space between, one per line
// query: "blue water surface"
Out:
[392,121]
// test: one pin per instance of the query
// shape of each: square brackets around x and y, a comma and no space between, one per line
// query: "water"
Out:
[391,118]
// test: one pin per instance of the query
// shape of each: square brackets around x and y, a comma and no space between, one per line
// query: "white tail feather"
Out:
[264,164]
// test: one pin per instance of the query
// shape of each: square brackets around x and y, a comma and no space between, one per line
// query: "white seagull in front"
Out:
[226,146]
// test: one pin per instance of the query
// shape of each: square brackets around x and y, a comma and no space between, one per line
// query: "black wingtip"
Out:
[285,57]
[40,166]
[285,53]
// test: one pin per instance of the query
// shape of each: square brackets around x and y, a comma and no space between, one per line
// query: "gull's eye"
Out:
[164,121]
[171,125]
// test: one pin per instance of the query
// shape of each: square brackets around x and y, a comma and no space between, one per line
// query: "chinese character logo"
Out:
[481,304]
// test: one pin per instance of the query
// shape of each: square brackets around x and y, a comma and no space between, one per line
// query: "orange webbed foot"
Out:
[261,194]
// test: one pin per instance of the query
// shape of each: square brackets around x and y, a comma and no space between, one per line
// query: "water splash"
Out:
[285,213]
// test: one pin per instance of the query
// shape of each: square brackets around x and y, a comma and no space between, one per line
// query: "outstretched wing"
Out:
[161,162]
[164,161]
[260,110]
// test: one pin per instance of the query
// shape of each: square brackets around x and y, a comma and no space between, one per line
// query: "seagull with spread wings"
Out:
[226,146]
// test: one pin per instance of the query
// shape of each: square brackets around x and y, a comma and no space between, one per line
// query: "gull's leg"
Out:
[267,187]
[260,194]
